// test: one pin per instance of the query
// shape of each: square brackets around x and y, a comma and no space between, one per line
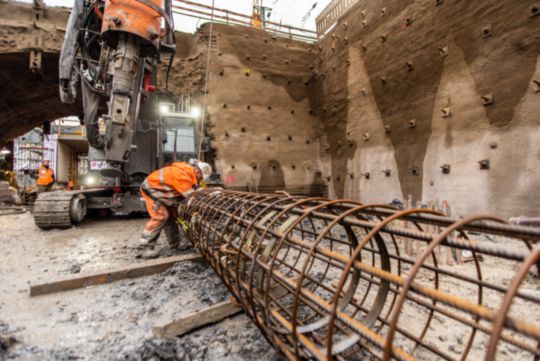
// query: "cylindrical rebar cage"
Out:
[340,280]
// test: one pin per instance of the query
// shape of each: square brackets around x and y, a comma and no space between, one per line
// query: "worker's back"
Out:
[177,179]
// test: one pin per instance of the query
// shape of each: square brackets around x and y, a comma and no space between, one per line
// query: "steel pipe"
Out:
[335,279]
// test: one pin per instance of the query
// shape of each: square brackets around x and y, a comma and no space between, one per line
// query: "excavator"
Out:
[111,52]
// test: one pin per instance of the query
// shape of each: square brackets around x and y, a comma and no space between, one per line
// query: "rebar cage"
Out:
[335,279]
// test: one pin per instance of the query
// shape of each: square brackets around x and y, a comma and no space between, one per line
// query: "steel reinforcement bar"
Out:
[335,279]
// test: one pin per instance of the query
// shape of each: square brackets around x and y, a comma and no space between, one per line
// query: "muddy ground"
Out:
[113,321]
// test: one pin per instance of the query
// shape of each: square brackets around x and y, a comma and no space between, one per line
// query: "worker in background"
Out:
[256,18]
[45,178]
[163,190]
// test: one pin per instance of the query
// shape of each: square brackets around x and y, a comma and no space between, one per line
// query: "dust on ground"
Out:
[115,321]
[112,321]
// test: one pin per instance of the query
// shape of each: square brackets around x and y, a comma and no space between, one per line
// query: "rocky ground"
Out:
[113,321]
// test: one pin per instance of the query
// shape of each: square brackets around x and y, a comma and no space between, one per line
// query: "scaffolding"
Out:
[29,151]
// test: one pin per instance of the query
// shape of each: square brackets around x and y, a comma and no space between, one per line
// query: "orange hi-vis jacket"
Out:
[169,182]
[45,176]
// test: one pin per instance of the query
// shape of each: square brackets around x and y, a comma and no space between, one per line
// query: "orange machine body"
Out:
[133,17]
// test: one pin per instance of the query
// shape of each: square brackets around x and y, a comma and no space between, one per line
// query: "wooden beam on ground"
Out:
[140,269]
[198,319]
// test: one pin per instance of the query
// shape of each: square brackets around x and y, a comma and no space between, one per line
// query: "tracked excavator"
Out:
[111,52]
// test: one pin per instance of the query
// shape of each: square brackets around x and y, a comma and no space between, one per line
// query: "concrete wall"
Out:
[259,107]
[407,60]
[344,107]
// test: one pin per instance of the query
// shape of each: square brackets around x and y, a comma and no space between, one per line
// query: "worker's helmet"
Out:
[205,169]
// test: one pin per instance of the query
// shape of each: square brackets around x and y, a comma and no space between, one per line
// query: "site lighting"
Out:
[195,112]
[90,181]
[5,151]
[164,109]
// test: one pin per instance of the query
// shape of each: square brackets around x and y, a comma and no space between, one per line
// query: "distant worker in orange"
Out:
[256,21]
[45,178]
[163,190]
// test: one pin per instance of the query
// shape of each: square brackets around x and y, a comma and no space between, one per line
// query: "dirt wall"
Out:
[28,98]
[408,62]
[396,91]
[263,128]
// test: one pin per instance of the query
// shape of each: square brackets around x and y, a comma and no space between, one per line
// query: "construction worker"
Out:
[45,178]
[163,190]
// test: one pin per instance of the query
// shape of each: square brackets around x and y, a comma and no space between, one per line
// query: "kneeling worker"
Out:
[162,190]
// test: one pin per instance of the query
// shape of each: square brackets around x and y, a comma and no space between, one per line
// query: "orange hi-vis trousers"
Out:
[161,190]
[161,217]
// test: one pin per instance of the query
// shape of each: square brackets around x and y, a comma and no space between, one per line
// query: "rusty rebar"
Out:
[331,279]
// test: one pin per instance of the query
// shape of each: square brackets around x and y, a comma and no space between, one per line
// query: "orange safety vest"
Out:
[256,22]
[173,181]
[45,176]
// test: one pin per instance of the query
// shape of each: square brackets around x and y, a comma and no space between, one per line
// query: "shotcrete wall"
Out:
[390,70]
[260,110]
[397,90]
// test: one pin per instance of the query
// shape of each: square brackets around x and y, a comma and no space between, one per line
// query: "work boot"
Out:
[150,254]
[148,248]
[146,244]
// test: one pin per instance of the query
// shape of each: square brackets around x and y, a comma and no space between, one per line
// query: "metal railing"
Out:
[224,16]
[331,14]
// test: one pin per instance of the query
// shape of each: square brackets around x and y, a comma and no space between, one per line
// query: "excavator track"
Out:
[53,209]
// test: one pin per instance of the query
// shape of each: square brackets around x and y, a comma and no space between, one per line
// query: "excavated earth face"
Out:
[397,90]
[260,106]
[417,84]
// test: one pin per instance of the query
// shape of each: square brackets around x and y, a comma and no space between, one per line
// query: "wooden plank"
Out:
[99,278]
[198,319]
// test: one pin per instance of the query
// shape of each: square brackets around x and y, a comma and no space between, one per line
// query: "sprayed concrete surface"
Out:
[387,63]
[113,321]
[260,113]
[370,96]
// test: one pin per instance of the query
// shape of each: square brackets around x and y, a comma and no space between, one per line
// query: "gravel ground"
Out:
[113,321]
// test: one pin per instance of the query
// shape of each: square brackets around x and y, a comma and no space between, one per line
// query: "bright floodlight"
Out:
[5,151]
[164,109]
[195,112]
